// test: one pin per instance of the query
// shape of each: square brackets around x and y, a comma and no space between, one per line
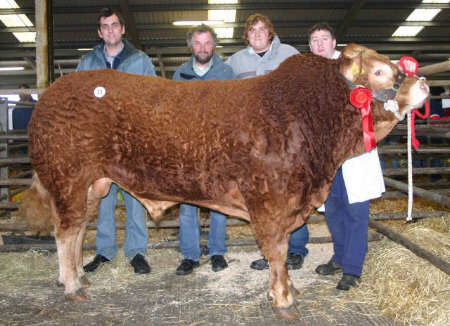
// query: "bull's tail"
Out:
[37,207]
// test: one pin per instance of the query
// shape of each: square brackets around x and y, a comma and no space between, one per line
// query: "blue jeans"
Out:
[299,239]
[349,227]
[190,233]
[136,233]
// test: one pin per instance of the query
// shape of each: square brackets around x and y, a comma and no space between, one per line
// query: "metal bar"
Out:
[231,221]
[416,171]
[403,150]
[13,137]
[435,68]
[15,182]
[437,198]
[14,160]
[160,245]
[419,251]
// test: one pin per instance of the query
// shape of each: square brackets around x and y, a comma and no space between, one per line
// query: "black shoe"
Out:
[294,261]
[218,263]
[348,281]
[186,267]
[93,265]
[140,265]
[329,268]
[260,264]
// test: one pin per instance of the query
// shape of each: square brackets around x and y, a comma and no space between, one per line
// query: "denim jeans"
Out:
[136,233]
[299,239]
[190,233]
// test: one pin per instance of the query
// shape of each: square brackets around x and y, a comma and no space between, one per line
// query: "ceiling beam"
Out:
[277,24]
[349,18]
[130,24]
[312,4]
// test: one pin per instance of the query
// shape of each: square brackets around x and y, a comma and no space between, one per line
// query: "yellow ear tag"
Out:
[355,69]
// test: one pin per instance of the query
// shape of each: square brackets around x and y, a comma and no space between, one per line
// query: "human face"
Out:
[258,37]
[203,47]
[322,43]
[111,30]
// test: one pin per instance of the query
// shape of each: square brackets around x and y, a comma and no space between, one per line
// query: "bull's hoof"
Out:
[289,313]
[78,296]
[84,282]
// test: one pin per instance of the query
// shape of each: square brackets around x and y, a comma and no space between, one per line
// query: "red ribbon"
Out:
[361,98]
[410,67]
[414,140]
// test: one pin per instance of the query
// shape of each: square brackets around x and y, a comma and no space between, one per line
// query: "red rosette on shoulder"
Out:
[361,98]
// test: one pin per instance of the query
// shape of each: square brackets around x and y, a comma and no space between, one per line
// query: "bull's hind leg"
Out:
[79,256]
[66,241]
[274,246]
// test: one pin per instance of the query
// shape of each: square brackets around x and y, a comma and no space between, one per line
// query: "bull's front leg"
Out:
[274,246]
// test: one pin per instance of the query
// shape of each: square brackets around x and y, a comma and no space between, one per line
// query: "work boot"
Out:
[186,267]
[93,265]
[140,265]
[329,268]
[260,264]
[348,281]
[218,263]
[294,261]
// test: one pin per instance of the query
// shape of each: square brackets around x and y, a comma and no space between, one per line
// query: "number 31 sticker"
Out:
[99,91]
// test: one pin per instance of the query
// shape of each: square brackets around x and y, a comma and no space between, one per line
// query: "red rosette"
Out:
[361,98]
[409,65]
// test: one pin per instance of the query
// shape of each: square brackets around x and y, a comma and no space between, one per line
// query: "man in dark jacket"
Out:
[204,64]
[116,53]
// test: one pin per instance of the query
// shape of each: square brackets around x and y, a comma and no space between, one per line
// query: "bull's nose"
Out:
[423,85]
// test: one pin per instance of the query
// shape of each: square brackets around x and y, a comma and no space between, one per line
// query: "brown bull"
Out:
[265,149]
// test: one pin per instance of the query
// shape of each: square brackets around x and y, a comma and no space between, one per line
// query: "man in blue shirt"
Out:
[204,64]
[114,52]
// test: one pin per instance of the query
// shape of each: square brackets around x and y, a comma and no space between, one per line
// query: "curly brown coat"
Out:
[265,149]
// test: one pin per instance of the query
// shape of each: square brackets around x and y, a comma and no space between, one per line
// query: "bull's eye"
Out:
[378,72]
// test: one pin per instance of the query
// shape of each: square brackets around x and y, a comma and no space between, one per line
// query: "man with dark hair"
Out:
[114,52]
[356,182]
[263,54]
[204,64]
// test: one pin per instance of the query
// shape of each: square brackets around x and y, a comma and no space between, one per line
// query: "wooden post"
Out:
[42,43]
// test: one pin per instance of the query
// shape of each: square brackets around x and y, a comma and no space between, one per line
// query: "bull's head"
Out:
[363,66]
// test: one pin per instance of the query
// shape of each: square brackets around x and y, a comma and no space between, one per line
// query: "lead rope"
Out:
[410,178]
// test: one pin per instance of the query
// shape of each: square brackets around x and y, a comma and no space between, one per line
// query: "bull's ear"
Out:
[351,68]
[353,50]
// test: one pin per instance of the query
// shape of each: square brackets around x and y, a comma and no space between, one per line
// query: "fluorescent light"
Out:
[11,68]
[8,4]
[221,2]
[223,15]
[84,49]
[228,16]
[20,20]
[418,15]
[25,36]
[407,31]
[423,15]
[197,22]
[224,32]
